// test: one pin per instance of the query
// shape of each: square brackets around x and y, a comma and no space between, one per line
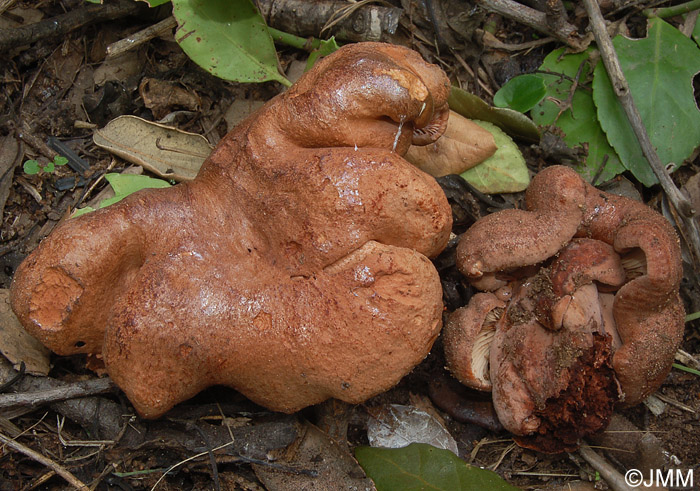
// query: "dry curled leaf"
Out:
[162,97]
[166,151]
[17,345]
[463,145]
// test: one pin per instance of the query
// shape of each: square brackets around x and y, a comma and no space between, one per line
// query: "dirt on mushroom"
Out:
[557,318]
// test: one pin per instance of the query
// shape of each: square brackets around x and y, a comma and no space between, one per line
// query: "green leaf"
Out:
[579,123]
[420,466]
[126,184]
[512,122]
[505,171]
[521,93]
[50,167]
[660,70]
[326,48]
[31,167]
[155,3]
[82,211]
[60,160]
[686,369]
[228,38]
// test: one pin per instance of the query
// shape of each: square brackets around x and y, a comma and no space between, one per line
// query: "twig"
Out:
[563,31]
[555,14]
[370,23]
[665,12]
[614,479]
[16,378]
[492,41]
[687,221]
[58,469]
[688,25]
[505,452]
[69,391]
[138,38]
[57,27]
[27,135]
[6,4]
[196,456]
[674,402]
[212,458]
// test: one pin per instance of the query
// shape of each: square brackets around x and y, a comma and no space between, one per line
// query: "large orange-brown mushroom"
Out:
[294,268]
[561,323]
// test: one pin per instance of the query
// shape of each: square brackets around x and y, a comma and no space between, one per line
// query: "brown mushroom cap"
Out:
[293,267]
[643,325]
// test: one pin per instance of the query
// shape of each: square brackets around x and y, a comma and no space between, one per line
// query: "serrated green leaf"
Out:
[659,70]
[521,93]
[505,171]
[228,38]
[512,122]
[60,160]
[420,466]
[579,123]
[31,167]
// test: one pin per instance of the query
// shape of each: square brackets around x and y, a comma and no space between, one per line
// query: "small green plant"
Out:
[686,369]
[580,101]
[230,40]
[34,167]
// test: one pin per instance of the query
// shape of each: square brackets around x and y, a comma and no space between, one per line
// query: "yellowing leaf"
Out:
[503,172]
[463,145]
[169,152]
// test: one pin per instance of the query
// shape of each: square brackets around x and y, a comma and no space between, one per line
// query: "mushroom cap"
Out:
[293,268]
[643,324]
[467,339]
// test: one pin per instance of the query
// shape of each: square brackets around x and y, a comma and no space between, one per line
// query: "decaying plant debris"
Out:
[63,86]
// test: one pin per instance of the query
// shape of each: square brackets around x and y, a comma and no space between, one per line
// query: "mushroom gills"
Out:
[482,345]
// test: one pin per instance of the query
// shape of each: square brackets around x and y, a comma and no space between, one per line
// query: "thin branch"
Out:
[614,479]
[69,391]
[6,4]
[563,31]
[141,37]
[36,456]
[57,27]
[665,12]
[687,221]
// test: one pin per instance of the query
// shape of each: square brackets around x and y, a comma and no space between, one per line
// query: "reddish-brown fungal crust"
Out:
[562,309]
[583,408]
[293,268]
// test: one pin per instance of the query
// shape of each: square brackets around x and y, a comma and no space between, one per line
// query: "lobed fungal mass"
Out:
[597,325]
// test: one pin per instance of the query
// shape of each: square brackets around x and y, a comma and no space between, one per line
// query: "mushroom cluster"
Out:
[580,309]
[293,268]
